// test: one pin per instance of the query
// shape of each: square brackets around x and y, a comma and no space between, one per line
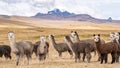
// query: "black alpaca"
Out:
[6,51]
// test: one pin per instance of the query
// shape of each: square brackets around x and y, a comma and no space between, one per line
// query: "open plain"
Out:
[31,29]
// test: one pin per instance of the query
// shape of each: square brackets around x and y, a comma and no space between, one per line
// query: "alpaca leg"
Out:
[106,56]
[88,56]
[22,59]
[47,54]
[39,57]
[44,56]
[79,57]
[70,52]
[99,56]
[84,56]
[117,57]
[60,54]
[113,58]
[7,56]
[102,58]
[28,58]
[94,52]
[76,57]
[17,59]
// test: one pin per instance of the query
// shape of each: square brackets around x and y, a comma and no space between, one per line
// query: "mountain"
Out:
[56,14]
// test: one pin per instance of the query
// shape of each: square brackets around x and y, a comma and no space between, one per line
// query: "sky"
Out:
[96,8]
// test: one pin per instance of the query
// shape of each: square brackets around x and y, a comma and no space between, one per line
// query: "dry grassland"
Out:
[53,61]
[31,29]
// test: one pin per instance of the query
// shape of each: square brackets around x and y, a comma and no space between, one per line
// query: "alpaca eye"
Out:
[44,46]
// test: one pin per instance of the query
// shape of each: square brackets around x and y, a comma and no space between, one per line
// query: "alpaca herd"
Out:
[72,44]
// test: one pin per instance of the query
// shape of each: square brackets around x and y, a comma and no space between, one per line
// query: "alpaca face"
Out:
[74,36]
[112,36]
[43,46]
[51,37]
[42,38]
[11,35]
[97,38]
[67,39]
[117,36]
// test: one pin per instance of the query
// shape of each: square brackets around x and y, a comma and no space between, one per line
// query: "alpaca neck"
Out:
[43,43]
[70,45]
[13,45]
[98,44]
[118,42]
[12,42]
[77,39]
[53,41]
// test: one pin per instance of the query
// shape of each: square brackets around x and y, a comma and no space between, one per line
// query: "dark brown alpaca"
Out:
[105,49]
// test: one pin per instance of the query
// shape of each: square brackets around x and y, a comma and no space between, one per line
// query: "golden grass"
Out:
[53,61]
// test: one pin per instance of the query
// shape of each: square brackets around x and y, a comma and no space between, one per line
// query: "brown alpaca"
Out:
[105,49]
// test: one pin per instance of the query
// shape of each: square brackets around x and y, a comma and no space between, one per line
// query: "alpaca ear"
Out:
[111,32]
[71,31]
[99,35]
[93,34]
[119,33]
[53,35]
[10,32]
[75,32]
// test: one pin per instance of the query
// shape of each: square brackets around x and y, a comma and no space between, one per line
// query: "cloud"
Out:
[25,7]
[96,8]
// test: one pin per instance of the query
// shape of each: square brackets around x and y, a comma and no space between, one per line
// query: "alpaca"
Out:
[75,38]
[79,47]
[105,49]
[20,48]
[60,47]
[42,49]
[6,51]
[115,37]
[36,46]
[112,37]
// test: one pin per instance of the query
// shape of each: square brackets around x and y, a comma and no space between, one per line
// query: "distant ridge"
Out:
[56,14]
